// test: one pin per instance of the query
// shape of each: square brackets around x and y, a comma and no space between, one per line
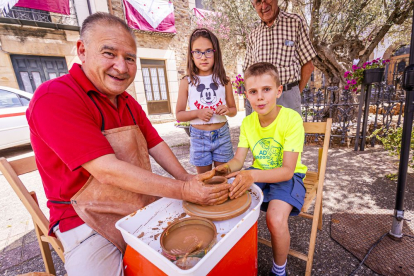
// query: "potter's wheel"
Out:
[227,210]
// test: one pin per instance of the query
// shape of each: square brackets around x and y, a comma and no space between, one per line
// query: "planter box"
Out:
[373,75]
[186,128]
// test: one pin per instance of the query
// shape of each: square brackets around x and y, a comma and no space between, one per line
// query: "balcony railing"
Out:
[39,18]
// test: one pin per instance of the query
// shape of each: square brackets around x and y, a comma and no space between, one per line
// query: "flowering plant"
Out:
[238,85]
[354,78]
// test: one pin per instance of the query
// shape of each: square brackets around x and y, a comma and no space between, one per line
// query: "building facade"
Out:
[36,46]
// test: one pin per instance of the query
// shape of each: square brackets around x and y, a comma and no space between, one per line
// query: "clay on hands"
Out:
[197,192]
[241,183]
[222,170]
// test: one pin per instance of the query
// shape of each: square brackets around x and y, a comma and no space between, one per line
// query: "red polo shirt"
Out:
[65,131]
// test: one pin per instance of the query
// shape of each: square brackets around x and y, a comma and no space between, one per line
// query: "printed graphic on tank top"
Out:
[207,94]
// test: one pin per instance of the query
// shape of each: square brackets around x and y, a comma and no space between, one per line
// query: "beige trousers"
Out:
[88,253]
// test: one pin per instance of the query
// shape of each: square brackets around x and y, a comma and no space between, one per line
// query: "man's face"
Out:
[108,57]
[262,92]
[266,9]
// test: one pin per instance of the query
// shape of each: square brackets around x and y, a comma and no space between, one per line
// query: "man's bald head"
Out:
[102,18]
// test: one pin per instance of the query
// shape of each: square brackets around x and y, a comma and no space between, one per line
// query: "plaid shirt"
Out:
[285,44]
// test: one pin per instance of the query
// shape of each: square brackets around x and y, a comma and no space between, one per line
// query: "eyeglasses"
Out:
[208,54]
[258,3]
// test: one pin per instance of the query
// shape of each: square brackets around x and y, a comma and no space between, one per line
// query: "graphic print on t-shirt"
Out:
[269,153]
[208,97]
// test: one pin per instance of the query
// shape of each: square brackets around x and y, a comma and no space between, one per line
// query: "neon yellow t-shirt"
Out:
[267,144]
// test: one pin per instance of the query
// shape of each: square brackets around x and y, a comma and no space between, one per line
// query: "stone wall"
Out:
[171,48]
[26,40]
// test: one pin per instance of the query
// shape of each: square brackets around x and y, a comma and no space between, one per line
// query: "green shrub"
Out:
[391,140]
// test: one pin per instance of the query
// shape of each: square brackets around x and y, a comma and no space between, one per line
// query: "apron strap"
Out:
[103,121]
[59,202]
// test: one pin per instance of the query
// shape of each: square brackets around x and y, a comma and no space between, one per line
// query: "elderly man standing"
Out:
[281,39]
[92,143]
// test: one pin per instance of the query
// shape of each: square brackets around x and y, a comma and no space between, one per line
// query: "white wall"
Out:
[82,11]
[172,76]
[99,5]
[191,3]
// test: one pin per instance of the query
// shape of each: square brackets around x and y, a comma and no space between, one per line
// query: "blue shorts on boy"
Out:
[268,144]
[208,146]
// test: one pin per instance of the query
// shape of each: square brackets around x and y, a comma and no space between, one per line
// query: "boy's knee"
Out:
[277,223]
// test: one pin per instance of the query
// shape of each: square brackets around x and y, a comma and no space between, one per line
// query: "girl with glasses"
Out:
[208,92]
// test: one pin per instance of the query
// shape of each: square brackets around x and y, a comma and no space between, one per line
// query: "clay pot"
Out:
[201,228]
[215,180]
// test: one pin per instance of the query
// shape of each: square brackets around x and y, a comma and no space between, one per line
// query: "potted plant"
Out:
[184,125]
[238,85]
[369,72]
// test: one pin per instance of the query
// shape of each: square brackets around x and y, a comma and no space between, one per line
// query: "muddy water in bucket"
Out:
[190,237]
[184,238]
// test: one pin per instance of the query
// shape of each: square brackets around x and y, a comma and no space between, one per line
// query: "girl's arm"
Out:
[180,112]
[230,101]
[230,108]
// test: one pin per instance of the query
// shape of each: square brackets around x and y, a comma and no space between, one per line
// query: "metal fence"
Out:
[39,18]
[386,109]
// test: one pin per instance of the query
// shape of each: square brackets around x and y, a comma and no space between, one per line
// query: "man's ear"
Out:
[80,47]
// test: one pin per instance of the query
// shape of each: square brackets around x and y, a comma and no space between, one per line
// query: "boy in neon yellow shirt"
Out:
[275,136]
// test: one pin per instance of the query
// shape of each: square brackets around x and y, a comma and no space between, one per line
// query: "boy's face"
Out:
[262,92]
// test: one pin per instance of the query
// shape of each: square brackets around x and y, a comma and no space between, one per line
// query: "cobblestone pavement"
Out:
[354,180]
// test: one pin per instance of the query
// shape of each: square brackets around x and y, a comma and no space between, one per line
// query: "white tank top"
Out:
[206,95]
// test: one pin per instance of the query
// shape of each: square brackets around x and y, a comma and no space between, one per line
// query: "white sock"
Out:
[279,270]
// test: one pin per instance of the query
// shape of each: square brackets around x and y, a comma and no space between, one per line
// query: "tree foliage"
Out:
[340,31]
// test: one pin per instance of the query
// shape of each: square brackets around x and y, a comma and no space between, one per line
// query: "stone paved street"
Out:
[354,180]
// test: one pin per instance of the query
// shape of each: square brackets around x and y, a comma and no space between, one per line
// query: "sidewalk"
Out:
[354,180]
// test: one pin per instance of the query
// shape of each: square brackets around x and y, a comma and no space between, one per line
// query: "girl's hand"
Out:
[222,110]
[205,114]
[243,181]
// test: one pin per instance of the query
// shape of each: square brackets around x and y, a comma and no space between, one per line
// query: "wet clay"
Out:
[186,237]
[215,180]
[227,210]
[187,263]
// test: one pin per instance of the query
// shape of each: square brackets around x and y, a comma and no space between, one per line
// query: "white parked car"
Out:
[14,130]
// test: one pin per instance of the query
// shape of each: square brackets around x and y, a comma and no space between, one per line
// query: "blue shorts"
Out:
[291,191]
[208,146]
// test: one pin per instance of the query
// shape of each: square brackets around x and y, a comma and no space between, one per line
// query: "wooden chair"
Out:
[11,171]
[314,189]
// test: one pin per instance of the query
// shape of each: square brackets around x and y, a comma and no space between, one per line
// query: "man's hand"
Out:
[195,191]
[222,110]
[244,179]
[222,170]
[205,114]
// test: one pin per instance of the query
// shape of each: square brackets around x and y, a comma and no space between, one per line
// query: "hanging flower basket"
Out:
[373,75]
[240,90]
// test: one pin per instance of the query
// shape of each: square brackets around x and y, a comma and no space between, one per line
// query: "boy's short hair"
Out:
[261,68]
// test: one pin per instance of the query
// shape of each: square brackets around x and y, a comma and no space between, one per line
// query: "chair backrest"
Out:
[323,128]
[11,171]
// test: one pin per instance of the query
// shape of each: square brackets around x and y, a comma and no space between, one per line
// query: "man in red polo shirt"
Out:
[67,116]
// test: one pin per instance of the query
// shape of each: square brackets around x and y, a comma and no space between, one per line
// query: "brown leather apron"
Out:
[99,205]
